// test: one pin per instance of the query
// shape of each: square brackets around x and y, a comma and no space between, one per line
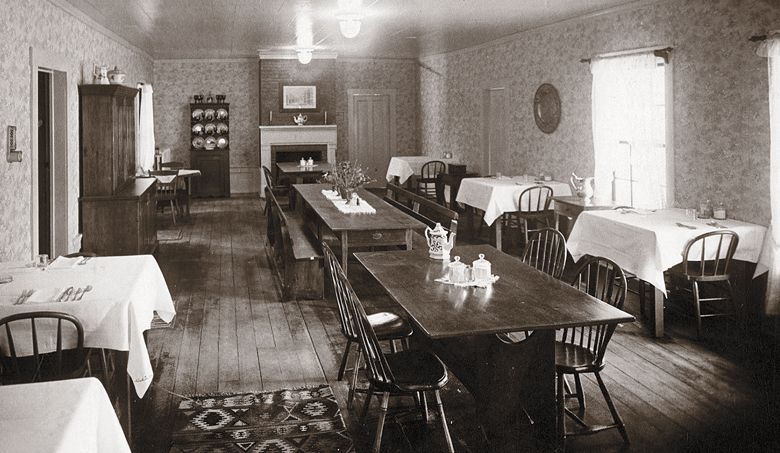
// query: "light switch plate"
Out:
[12,155]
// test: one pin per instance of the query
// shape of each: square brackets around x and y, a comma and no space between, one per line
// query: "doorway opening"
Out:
[44,162]
[372,133]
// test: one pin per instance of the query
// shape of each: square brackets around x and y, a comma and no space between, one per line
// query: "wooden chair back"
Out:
[377,369]
[269,178]
[341,287]
[430,170]
[535,199]
[708,255]
[546,251]
[166,190]
[603,279]
[41,365]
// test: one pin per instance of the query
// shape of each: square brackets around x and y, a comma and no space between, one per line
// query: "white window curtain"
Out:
[625,140]
[770,256]
[144,157]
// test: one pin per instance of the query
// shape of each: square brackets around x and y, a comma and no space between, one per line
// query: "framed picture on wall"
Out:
[298,98]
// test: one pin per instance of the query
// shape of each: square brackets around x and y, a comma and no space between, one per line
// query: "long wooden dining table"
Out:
[459,324]
[386,227]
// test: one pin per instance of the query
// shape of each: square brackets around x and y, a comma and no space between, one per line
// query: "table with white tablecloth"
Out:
[404,167]
[126,292]
[70,416]
[497,196]
[646,243]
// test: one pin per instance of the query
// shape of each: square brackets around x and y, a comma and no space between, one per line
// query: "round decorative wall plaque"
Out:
[547,108]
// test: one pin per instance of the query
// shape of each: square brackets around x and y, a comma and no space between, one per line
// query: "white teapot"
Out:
[439,245]
[300,119]
[582,187]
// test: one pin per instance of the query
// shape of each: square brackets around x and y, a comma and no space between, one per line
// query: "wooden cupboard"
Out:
[215,173]
[117,210]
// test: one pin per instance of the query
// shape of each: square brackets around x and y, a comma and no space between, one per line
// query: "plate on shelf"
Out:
[222,143]
[209,114]
[197,129]
[211,142]
[222,114]
[222,128]
[210,128]
[198,142]
[197,114]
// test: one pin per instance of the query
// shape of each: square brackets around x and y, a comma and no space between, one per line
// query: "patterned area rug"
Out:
[286,421]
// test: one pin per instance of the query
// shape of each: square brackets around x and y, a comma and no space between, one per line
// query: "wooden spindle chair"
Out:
[408,372]
[426,184]
[533,205]
[706,261]
[19,366]
[388,326]
[282,194]
[582,349]
[166,191]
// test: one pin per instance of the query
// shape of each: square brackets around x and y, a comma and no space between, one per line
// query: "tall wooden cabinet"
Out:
[117,210]
[210,139]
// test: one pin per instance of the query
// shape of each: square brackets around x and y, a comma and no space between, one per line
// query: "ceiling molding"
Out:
[95,26]
[291,55]
[637,4]
[205,60]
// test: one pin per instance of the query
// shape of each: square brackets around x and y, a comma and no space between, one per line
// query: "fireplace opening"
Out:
[294,153]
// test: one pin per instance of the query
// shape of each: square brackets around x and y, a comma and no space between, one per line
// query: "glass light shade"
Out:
[304,56]
[349,27]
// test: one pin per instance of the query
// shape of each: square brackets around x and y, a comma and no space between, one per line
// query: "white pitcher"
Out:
[439,244]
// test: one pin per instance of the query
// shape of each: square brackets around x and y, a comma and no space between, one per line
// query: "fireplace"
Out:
[294,153]
[290,143]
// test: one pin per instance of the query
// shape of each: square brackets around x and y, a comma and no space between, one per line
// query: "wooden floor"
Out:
[232,334]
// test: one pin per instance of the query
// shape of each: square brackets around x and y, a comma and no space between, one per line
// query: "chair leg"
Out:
[524,224]
[580,393]
[355,371]
[366,403]
[173,212]
[697,307]
[381,422]
[561,413]
[612,409]
[444,426]
[393,348]
[424,403]
[344,359]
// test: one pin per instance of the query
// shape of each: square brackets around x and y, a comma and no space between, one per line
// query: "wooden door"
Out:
[372,129]
[495,132]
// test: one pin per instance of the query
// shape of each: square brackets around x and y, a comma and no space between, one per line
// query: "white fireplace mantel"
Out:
[296,135]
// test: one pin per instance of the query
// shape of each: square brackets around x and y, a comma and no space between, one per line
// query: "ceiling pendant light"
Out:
[304,55]
[349,26]
[349,17]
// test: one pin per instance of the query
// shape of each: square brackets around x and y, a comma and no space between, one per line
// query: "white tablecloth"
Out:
[406,166]
[72,416]
[127,290]
[496,196]
[188,172]
[648,243]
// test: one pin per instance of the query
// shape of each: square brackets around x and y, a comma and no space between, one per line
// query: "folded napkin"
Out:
[331,194]
[46,296]
[476,283]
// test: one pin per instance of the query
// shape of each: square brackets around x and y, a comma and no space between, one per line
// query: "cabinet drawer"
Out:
[567,210]
[377,237]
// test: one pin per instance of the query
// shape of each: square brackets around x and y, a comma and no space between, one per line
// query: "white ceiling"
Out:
[169,29]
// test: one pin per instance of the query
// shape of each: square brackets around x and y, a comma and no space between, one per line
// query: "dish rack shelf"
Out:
[210,126]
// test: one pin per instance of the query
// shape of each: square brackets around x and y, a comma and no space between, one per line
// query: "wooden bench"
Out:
[422,209]
[297,256]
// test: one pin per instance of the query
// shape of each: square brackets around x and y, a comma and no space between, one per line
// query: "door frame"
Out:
[58,65]
[486,160]
[351,93]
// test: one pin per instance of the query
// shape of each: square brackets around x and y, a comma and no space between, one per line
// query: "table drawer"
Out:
[568,210]
[376,237]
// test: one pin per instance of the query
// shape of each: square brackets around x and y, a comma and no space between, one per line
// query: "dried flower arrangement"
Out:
[346,177]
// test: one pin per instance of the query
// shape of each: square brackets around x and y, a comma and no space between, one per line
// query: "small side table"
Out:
[571,207]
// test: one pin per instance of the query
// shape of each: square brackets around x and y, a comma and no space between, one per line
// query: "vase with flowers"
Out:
[347,177]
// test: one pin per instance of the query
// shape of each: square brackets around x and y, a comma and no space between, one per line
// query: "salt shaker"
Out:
[457,271]
[302,163]
[310,162]
[482,269]
[719,213]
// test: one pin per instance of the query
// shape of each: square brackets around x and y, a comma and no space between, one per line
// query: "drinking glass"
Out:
[42,260]
[690,214]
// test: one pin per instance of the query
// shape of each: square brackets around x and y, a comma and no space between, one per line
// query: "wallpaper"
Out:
[721,113]
[333,78]
[176,81]
[42,25]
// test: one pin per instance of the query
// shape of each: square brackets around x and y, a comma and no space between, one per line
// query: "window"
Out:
[631,111]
